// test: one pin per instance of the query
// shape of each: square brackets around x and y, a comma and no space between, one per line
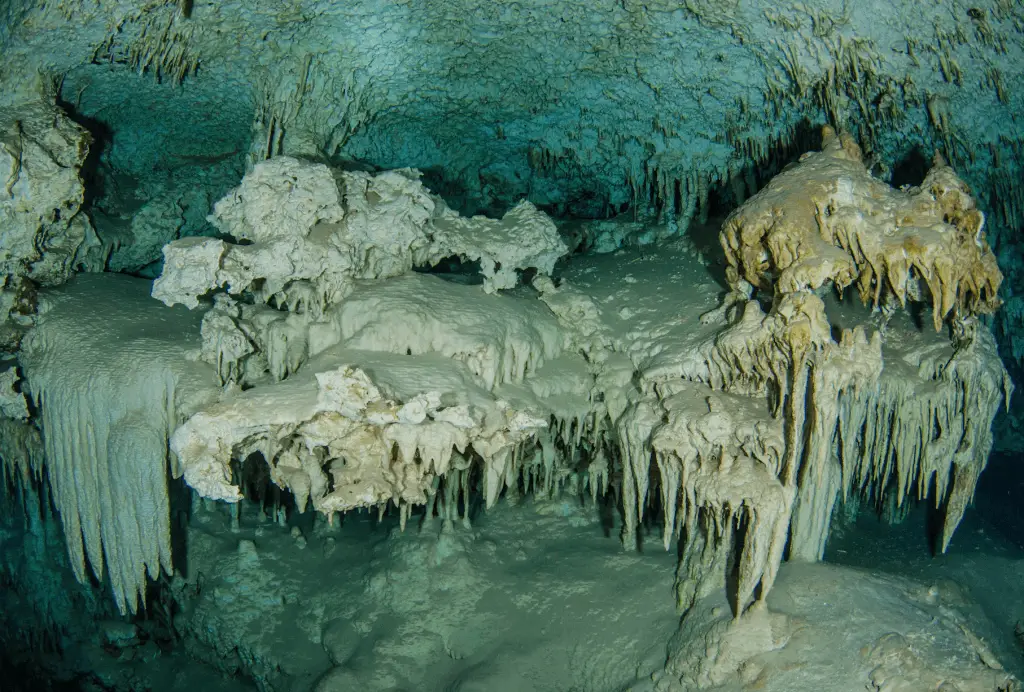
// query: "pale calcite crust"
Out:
[524,238]
[311,235]
[110,378]
[354,444]
[312,231]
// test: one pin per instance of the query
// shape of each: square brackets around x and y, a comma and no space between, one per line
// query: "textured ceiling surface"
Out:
[582,106]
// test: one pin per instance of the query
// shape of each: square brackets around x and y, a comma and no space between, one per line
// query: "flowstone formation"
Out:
[748,426]
[316,345]
[111,379]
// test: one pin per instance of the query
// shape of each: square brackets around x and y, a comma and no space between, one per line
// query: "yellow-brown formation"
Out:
[784,418]
[828,220]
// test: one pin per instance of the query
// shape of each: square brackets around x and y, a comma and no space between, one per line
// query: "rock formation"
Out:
[752,433]
[313,339]
[41,155]
[460,258]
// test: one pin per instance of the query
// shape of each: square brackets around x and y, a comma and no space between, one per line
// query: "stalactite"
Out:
[107,397]
[367,386]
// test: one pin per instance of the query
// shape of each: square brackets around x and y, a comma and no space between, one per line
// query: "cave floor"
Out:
[981,573]
[534,596]
[539,595]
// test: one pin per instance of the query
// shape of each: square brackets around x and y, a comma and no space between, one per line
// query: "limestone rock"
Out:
[311,232]
[897,640]
[12,402]
[360,383]
[342,439]
[41,195]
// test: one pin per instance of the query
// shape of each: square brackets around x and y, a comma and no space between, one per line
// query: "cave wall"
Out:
[586,108]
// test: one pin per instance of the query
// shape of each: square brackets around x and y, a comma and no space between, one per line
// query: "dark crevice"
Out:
[911,169]
[93,175]
[456,270]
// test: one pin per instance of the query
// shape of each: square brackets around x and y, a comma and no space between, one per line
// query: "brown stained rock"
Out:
[827,220]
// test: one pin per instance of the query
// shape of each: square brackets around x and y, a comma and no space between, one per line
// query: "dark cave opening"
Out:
[998,495]
[94,174]
[911,169]
[455,269]
[158,159]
